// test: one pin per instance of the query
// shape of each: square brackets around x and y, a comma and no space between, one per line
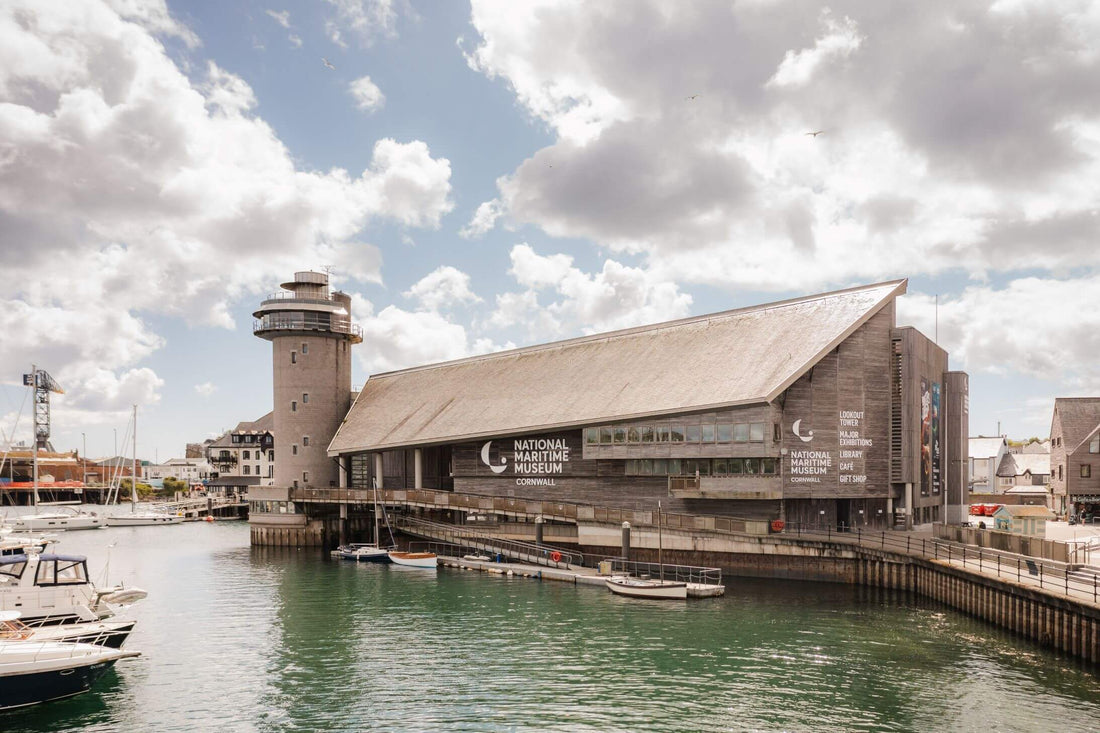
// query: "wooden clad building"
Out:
[817,410]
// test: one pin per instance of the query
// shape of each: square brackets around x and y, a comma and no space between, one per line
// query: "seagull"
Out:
[815,133]
[328,63]
[693,96]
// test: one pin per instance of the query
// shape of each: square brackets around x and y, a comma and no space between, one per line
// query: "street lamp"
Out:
[84,458]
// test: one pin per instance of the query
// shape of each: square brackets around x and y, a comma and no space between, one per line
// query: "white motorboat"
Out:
[32,672]
[414,559]
[69,519]
[624,585]
[363,552]
[109,633]
[141,519]
[52,589]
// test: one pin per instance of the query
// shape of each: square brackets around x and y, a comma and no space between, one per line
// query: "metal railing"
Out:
[527,552]
[694,574]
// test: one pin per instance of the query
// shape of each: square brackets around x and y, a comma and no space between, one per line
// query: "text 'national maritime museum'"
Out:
[817,410]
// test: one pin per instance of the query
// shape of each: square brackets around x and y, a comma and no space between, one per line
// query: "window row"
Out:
[271,507]
[704,466]
[707,432]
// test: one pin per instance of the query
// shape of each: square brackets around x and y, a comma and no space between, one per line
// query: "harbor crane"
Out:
[43,384]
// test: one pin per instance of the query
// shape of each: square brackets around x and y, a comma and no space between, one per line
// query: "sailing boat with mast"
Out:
[369,551]
[136,518]
[40,381]
[659,588]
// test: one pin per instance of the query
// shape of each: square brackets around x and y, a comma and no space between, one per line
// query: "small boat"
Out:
[32,672]
[414,559]
[139,519]
[625,585]
[363,552]
[69,519]
[111,634]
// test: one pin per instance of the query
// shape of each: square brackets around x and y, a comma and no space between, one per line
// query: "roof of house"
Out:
[1025,511]
[1080,417]
[982,446]
[263,425]
[1017,464]
[738,357]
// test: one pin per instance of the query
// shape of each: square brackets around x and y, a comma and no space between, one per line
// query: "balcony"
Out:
[270,324]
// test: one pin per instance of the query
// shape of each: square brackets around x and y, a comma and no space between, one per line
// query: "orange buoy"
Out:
[555,556]
[208,519]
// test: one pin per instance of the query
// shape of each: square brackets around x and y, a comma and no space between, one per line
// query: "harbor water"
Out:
[260,639]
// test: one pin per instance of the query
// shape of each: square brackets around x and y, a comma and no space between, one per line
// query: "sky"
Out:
[486,175]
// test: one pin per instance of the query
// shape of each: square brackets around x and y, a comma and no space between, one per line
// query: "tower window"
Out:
[294,449]
[305,398]
[305,477]
[294,357]
[305,441]
[294,405]
[305,348]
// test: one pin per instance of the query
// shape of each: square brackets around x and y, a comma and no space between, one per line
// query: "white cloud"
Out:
[205,389]
[366,20]
[483,221]
[367,95]
[281,17]
[294,40]
[441,288]
[840,40]
[121,181]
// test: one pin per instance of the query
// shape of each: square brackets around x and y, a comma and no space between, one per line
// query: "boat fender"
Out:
[555,556]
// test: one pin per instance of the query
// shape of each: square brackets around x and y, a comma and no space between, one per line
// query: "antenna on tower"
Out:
[937,336]
[327,269]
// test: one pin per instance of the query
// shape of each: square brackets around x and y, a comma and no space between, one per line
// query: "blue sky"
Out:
[494,174]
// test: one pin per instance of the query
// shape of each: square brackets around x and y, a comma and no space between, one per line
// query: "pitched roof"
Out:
[1080,418]
[744,356]
[983,447]
[1026,511]
[1017,464]
[264,424]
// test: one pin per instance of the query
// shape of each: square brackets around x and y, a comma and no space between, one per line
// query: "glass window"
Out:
[647,433]
[691,465]
[662,433]
[1086,470]
[677,433]
[692,433]
[618,433]
[631,467]
[257,470]
[674,467]
[236,439]
[592,436]
[1094,444]
[305,398]
[633,435]
[705,467]
[776,433]
[725,433]
[767,465]
[294,450]
[736,466]
[293,405]
[660,466]
[741,432]
[13,570]
[247,470]
[305,348]
[721,466]
[646,466]
[305,477]
[605,436]
[708,432]
[246,455]
[294,357]
[305,441]
[756,432]
[752,465]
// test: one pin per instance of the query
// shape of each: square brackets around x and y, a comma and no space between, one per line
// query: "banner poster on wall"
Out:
[925,437]
[936,443]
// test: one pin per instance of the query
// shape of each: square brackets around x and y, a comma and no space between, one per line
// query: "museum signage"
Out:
[533,461]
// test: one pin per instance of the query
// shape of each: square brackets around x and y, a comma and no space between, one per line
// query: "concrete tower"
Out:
[310,331]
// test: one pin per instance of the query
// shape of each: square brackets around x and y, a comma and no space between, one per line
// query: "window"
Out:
[1059,473]
[1086,470]
[294,449]
[647,433]
[736,466]
[618,434]
[633,435]
[592,436]
[756,432]
[246,455]
[295,484]
[305,441]
[605,436]
[294,357]
[257,470]
[236,439]
[293,405]
[776,434]
[721,466]
[677,434]
[660,466]
[767,465]
[725,433]
[1094,444]
[741,432]
[305,348]
[305,477]
[247,470]
[692,433]
[674,466]
[662,434]
[752,465]
[305,398]
[707,432]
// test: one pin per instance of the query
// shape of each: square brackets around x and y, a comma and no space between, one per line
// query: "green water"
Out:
[241,639]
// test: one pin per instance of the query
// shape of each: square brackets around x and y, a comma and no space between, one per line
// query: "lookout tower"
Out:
[310,329]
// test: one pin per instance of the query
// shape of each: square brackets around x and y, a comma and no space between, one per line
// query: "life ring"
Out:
[555,556]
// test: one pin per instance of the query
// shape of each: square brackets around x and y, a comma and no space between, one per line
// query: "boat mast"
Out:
[34,441]
[133,474]
[660,561]
[377,529]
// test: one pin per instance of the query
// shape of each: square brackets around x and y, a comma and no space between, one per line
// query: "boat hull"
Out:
[415,559]
[48,671]
[640,588]
[55,522]
[364,553]
[142,520]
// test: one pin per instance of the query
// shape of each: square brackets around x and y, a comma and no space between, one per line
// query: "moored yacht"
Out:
[109,633]
[69,519]
[32,672]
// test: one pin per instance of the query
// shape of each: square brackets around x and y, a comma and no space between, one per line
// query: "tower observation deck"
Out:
[310,329]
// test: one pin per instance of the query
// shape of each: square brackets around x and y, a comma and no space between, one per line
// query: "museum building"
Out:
[817,410]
